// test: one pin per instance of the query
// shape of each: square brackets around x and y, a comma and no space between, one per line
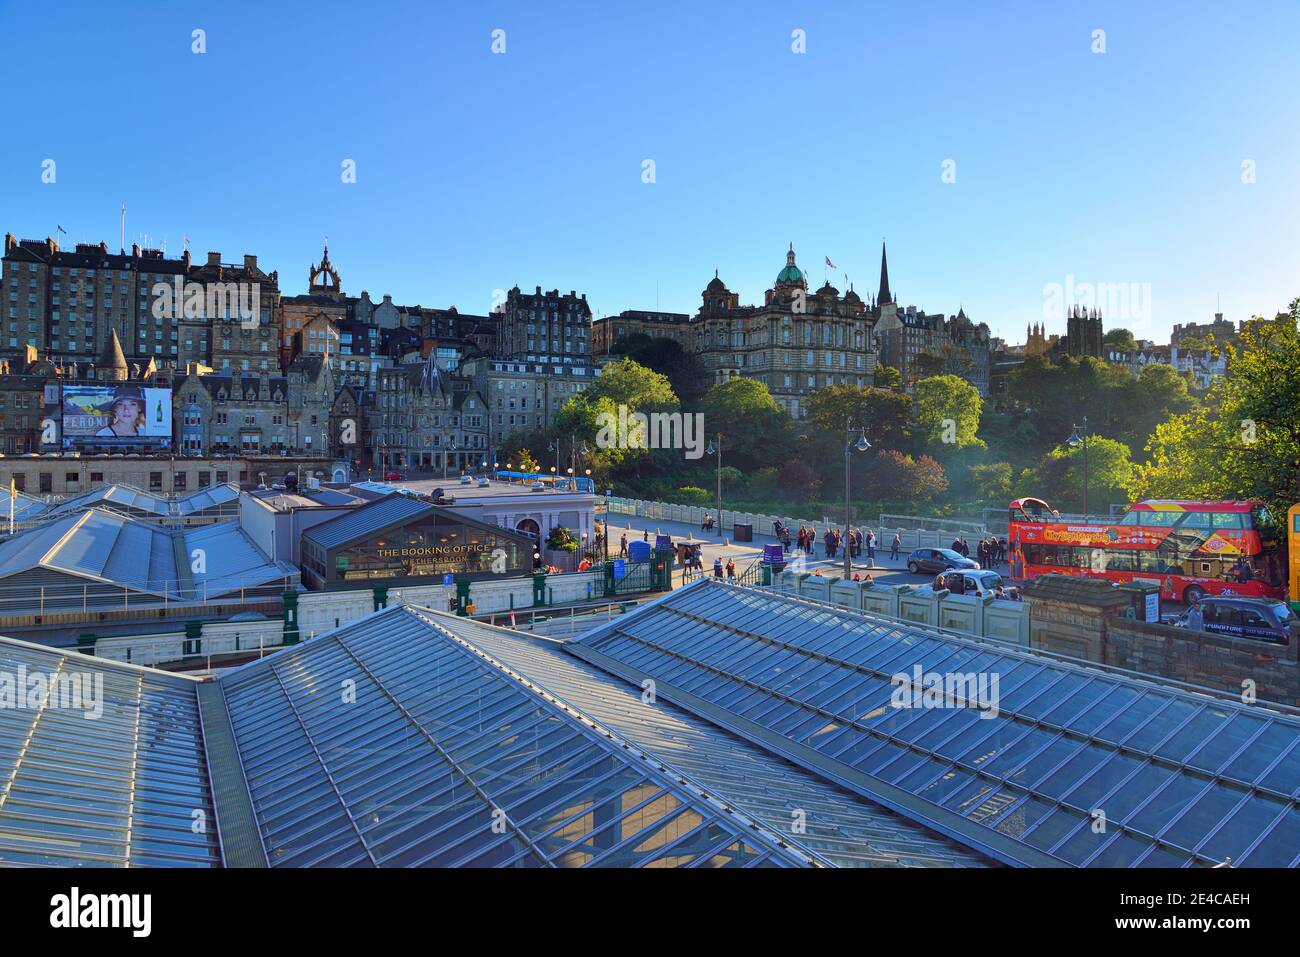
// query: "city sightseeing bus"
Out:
[1192,549]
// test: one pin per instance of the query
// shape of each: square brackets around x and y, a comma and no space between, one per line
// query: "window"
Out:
[47,482]
[155,481]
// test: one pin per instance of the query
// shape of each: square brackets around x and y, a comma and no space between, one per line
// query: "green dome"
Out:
[791,274]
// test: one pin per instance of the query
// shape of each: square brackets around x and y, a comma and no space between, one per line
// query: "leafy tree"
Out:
[685,370]
[896,477]
[1245,443]
[1060,474]
[1119,338]
[948,412]
[755,429]
[885,416]
[1156,395]
[629,383]
[887,377]
[797,482]
[991,481]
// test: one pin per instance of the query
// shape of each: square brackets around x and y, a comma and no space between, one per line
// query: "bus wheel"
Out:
[1193,593]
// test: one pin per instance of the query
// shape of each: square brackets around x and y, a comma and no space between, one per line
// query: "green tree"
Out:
[1156,395]
[685,370]
[886,416]
[991,481]
[629,383]
[1119,339]
[756,430]
[1110,470]
[1245,441]
[948,412]
[887,377]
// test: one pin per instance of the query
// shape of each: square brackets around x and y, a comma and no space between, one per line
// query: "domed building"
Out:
[795,342]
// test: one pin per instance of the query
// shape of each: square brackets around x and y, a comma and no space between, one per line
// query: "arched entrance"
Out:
[529,527]
[340,475]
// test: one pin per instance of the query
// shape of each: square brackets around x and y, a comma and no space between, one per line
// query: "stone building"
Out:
[524,396]
[229,413]
[425,421]
[544,324]
[795,342]
[324,299]
[608,330]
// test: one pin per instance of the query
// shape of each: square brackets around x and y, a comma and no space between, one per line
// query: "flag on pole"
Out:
[830,264]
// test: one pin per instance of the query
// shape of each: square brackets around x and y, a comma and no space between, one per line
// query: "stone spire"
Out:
[112,363]
[884,295]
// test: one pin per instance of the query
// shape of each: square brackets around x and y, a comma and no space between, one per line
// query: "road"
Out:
[882,570]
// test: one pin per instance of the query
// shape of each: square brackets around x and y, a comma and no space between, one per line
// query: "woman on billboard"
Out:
[125,415]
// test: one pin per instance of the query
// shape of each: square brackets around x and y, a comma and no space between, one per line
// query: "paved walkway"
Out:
[745,553]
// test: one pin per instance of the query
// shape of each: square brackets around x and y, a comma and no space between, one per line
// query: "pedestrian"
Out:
[717,568]
[871,546]
[1002,550]
[894,546]
[622,547]
[731,569]
[956,545]
[1196,616]
[965,548]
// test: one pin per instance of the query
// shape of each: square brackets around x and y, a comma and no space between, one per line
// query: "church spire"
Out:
[884,296]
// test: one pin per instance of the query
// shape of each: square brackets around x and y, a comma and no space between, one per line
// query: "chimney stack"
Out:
[214,259]
[250,262]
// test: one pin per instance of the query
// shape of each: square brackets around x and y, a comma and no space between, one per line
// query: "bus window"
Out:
[1195,520]
[1227,519]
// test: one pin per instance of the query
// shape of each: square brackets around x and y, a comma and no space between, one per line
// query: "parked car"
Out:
[969,581]
[931,561]
[1263,619]
[392,476]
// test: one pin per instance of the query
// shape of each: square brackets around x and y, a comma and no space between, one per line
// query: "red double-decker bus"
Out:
[1191,548]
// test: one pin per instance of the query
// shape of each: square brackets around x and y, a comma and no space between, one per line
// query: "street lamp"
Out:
[608,492]
[717,450]
[850,446]
[1080,438]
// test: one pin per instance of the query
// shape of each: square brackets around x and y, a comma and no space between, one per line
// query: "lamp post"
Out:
[1080,438]
[555,447]
[850,446]
[608,493]
[445,456]
[717,450]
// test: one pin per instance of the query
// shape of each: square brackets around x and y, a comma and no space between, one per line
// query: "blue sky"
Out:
[477,171]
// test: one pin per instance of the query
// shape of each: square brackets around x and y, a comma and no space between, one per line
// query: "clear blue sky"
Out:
[476,171]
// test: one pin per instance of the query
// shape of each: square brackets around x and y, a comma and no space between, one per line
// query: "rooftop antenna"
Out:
[124,227]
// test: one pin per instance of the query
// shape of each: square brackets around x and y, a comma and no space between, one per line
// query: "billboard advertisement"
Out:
[123,415]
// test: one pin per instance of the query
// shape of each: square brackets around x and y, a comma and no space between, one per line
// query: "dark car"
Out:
[931,561]
[1262,619]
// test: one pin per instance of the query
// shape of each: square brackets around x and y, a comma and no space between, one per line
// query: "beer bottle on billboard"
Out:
[157,416]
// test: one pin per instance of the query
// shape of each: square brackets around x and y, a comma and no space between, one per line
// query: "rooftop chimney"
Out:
[214,259]
[250,262]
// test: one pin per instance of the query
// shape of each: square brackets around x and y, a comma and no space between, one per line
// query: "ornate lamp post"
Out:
[1080,438]
[717,450]
[850,446]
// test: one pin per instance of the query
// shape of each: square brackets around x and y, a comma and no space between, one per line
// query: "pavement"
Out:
[718,544]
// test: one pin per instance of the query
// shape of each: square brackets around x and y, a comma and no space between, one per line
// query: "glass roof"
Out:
[388,742]
[842,827]
[1181,779]
[106,770]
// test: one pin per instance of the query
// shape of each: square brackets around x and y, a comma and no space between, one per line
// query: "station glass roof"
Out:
[389,742]
[109,775]
[1181,779]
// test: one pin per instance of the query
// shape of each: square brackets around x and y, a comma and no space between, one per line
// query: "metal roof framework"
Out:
[1181,779]
[114,784]
[389,742]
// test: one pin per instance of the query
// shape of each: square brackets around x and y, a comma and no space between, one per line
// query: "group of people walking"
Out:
[989,552]
[832,541]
